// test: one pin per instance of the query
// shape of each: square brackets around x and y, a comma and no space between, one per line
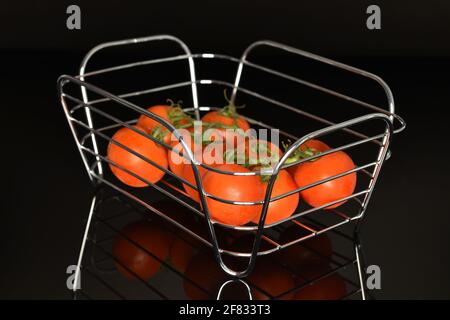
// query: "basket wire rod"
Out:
[62,80]
[382,156]
[107,138]
[153,209]
[149,183]
[361,272]
[354,195]
[381,82]
[133,64]
[185,48]
[126,124]
[247,63]
[196,236]
[105,283]
[219,294]
[75,135]
[316,279]
[83,244]
[138,245]
[328,130]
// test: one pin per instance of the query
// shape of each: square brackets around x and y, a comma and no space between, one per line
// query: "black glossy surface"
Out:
[47,193]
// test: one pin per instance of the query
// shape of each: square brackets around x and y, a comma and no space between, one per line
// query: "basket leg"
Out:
[83,243]
[219,294]
[361,266]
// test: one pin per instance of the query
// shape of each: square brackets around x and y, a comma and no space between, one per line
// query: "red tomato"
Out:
[176,160]
[143,146]
[228,117]
[285,207]
[207,157]
[188,174]
[311,145]
[234,188]
[173,114]
[152,239]
[257,152]
[322,168]
[306,253]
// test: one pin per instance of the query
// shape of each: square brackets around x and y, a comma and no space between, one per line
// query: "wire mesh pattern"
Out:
[94,114]
[328,269]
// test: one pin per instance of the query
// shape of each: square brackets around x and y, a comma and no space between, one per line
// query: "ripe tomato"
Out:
[207,157]
[152,238]
[176,160]
[273,279]
[227,117]
[143,146]
[188,174]
[255,152]
[234,188]
[172,113]
[322,168]
[307,149]
[282,208]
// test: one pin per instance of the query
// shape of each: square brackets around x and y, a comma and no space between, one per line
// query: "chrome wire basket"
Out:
[94,113]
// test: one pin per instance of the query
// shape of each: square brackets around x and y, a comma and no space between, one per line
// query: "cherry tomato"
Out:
[206,157]
[254,152]
[172,113]
[312,146]
[234,188]
[282,208]
[143,146]
[228,118]
[322,168]
[150,238]
[177,160]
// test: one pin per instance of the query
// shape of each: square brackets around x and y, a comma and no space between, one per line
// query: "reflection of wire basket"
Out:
[338,272]
[96,114]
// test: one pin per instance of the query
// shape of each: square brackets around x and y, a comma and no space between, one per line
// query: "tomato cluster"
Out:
[234,184]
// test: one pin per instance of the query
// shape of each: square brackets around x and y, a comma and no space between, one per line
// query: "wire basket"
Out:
[94,114]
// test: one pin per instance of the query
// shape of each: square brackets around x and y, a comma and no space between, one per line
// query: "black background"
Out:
[47,193]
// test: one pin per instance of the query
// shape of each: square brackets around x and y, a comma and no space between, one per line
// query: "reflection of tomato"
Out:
[129,256]
[322,168]
[285,207]
[309,252]
[272,279]
[205,273]
[331,287]
[143,146]
[181,253]
[233,188]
